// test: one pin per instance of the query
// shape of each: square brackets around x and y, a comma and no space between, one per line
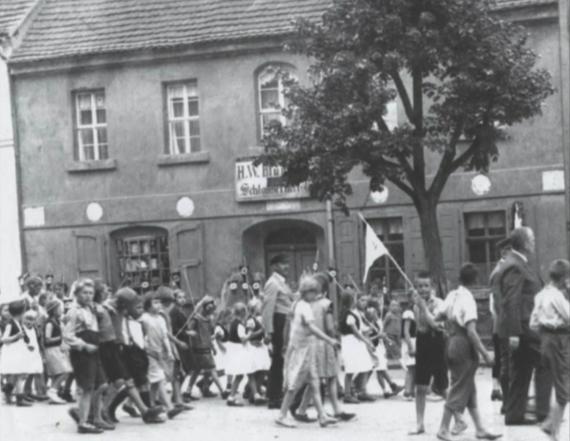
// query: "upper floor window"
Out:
[384,273]
[183,118]
[91,126]
[484,230]
[271,84]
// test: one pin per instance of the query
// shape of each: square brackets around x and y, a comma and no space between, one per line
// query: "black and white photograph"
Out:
[294,220]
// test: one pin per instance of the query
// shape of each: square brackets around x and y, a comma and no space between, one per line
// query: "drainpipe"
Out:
[564,21]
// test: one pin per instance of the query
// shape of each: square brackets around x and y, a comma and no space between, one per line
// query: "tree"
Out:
[459,72]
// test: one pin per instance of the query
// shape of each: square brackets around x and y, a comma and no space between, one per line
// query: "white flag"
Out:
[374,249]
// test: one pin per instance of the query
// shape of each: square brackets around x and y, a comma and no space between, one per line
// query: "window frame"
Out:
[259,111]
[486,239]
[388,266]
[95,126]
[170,119]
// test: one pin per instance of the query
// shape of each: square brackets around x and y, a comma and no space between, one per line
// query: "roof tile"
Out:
[12,13]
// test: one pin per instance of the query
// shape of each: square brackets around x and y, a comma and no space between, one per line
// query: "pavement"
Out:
[212,420]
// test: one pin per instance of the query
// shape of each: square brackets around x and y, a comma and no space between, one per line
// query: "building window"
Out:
[484,231]
[272,81]
[183,118]
[384,273]
[91,126]
[143,259]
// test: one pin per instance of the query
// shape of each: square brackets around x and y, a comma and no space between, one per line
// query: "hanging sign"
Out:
[262,183]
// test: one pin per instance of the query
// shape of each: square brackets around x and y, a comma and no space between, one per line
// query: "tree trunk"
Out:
[433,250]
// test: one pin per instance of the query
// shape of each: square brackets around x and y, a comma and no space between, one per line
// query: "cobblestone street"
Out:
[212,420]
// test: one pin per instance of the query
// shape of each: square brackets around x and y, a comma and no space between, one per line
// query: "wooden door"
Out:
[187,257]
[89,254]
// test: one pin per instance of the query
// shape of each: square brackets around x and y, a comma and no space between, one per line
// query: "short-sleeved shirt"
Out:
[434,304]
[459,306]
[300,335]
[551,310]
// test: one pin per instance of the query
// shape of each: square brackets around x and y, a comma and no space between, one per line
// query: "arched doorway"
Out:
[299,244]
[301,241]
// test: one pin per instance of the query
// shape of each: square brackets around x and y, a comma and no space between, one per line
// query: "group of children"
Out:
[139,351]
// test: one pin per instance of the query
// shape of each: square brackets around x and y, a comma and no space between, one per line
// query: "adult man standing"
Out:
[518,284]
[276,308]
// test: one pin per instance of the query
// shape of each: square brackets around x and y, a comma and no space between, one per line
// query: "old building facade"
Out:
[136,131]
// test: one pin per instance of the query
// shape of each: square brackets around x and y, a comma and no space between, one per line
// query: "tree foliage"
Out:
[458,70]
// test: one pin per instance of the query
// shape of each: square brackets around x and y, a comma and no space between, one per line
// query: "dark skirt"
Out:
[462,361]
[202,358]
[136,363]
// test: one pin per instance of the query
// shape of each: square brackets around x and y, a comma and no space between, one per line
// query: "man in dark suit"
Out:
[275,311]
[517,285]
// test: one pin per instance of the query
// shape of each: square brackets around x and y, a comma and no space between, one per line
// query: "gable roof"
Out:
[65,28]
[70,28]
[12,15]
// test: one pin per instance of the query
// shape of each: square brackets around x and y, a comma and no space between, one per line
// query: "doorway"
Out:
[298,244]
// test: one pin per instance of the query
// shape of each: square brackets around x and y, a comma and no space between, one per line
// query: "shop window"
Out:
[183,106]
[143,258]
[484,230]
[272,81]
[91,126]
[384,273]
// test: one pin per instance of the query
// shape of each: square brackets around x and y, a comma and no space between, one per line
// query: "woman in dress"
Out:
[326,355]
[300,359]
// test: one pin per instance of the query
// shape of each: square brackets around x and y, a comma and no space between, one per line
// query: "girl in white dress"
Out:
[20,351]
[356,348]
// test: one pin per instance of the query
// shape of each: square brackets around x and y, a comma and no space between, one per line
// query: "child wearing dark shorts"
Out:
[126,362]
[81,333]
[551,318]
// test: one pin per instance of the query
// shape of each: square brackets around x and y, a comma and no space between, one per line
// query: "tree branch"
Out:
[418,152]
[404,97]
[444,169]
[405,188]
[461,159]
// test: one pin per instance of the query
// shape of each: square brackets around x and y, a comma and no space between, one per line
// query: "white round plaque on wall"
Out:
[185,206]
[481,185]
[94,212]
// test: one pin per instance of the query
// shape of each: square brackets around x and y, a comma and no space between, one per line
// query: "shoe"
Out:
[130,410]
[345,416]
[54,398]
[67,397]
[38,398]
[107,418]
[496,395]
[21,402]
[207,393]
[258,400]
[327,422]
[351,400]
[286,422]
[396,389]
[365,398]
[184,407]
[88,428]
[303,418]
[274,405]
[152,416]
[524,422]
[234,403]
[104,425]
[388,395]
[225,395]
[74,414]
[489,436]
[459,428]
[172,413]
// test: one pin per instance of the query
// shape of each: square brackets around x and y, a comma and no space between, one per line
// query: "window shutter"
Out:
[89,254]
[187,256]
[348,251]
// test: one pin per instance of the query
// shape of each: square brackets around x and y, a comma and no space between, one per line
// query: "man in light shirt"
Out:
[551,318]
[275,310]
